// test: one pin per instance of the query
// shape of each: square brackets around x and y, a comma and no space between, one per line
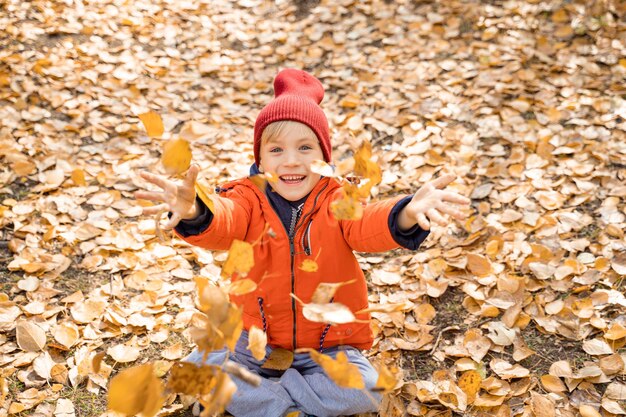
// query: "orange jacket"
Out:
[242,210]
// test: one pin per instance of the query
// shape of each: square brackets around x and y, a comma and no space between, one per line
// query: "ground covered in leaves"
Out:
[523,100]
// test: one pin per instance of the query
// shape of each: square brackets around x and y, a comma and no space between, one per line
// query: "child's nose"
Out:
[292,158]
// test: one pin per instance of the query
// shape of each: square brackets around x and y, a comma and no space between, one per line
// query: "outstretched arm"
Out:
[430,203]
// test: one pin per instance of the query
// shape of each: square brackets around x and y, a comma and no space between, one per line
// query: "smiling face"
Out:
[287,150]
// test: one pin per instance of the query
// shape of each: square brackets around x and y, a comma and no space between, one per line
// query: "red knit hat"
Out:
[297,96]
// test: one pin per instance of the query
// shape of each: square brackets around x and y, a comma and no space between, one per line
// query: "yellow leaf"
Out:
[136,390]
[469,382]
[331,313]
[205,195]
[386,379]
[347,208]
[257,340]
[96,361]
[211,300]
[615,332]
[216,402]
[242,287]
[190,379]
[240,259]
[78,177]
[293,414]
[552,383]
[153,123]
[588,411]
[325,291]
[342,372]
[365,167]
[176,156]
[560,16]
[279,359]
[309,265]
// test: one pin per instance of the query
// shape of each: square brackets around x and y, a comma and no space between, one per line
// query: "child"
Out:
[289,134]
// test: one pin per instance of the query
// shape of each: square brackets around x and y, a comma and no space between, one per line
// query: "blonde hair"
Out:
[275,129]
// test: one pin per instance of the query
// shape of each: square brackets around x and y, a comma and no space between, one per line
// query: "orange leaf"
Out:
[153,123]
[176,156]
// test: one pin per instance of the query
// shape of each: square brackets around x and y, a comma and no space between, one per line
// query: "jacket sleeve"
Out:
[230,220]
[377,230]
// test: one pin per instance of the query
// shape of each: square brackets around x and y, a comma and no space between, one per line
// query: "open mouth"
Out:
[292,179]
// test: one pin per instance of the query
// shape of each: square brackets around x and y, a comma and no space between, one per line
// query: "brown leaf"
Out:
[30,337]
[279,359]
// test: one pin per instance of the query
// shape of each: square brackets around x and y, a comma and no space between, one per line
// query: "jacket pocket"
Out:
[306,239]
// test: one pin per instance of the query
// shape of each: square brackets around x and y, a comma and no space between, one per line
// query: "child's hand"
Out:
[429,204]
[178,198]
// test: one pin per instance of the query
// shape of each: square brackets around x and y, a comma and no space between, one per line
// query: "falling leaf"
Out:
[257,340]
[325,291]
[347,208]
[387,380]
[136,390]
[322,168]
[30,337]
[153,124]
[242,287]
[331,313]
[240,259]
[342,372]
[176,156]
[279,359]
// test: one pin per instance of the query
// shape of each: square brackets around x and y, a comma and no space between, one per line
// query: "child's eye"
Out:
[305,147]
[274,150]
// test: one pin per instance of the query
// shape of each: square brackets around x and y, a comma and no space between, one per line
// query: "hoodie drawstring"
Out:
[260,300]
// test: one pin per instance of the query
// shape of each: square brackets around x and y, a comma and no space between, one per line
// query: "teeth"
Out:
[291,178]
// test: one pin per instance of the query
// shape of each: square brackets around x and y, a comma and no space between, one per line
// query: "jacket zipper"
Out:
[306,239]
[295,214]
[293,228]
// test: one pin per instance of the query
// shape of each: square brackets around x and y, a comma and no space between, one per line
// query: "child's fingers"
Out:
[457,214]
[435,216]
[422,221]
[150,195]
[453,197]
[155,209]
[192,175]
[443,181]
[174,220]
[154,179]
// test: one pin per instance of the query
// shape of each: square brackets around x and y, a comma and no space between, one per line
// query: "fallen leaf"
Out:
[257,341]
[30,337]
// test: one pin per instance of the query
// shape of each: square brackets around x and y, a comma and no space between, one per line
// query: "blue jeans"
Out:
[304,387]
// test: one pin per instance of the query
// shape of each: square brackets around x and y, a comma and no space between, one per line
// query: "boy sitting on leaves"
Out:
[289,134]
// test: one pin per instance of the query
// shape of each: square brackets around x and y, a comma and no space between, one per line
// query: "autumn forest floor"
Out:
[524,100]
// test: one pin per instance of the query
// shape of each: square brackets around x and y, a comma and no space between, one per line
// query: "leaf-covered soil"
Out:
[523,100]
